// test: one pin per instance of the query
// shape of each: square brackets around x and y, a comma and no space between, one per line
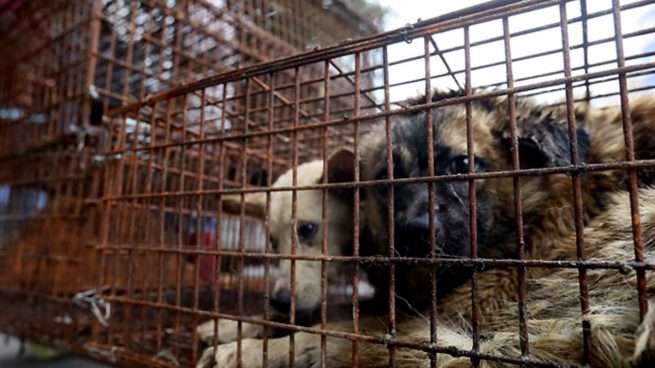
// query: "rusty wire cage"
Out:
[168,254]
[65,64]
[43,222]
[68,62]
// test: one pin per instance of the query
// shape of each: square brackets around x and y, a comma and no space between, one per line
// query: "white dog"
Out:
[309,237]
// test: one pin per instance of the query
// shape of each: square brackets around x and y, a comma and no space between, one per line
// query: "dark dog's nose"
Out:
[412,237]
[421,224]
[281,301]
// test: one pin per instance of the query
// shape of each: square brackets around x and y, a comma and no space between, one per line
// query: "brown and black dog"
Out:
[548,219]
[553,313]
[619,339]
[547,200]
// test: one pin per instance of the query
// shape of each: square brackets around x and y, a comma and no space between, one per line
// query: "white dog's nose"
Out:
[281,300]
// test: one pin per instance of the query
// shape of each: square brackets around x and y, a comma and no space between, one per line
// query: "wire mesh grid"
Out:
[72,61]
[65,64]
[508,240]
[43,255]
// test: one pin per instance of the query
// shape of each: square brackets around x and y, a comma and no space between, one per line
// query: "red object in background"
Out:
[206,263]
[10,5]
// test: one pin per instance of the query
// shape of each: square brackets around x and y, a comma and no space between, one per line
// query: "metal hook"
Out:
[405,33]
[100,308]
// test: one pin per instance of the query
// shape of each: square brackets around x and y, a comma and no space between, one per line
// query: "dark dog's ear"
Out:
[544,141]
[341,167]
[488,104]
[436,95]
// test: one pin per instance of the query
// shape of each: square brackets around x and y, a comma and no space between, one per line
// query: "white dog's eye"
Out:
[307,231]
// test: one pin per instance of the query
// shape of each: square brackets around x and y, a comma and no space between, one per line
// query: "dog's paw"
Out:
[227,331]
[226,355]
[252,355]
[307,353]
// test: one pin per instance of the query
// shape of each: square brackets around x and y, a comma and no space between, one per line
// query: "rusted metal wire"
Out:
[475,309]
[429,133]
[577,190]
[67,63]
[390,209]
[518,211]
[630,156]
[153,113]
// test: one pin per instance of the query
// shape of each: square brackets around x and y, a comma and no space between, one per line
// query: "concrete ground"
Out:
[10,346]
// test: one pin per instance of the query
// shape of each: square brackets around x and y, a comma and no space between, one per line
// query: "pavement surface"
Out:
[10,347]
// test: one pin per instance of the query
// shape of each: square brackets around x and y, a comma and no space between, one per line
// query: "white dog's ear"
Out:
[254,203]
[341,166]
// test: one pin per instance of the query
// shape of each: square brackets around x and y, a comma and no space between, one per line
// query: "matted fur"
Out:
[553,312]
[547,200]
[553,307]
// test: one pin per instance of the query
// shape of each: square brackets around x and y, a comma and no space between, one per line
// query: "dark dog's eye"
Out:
[307,231]
[382,174]
[273,243]
[460,165]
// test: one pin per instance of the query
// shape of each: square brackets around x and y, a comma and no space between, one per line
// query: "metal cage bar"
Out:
[156,164]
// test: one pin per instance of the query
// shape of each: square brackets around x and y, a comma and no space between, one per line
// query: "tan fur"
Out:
[555,213]
[547,201]
[644,353]
[553,308]
[553,313]
[308,210]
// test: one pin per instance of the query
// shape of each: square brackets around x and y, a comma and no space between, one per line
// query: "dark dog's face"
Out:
[543,141]
[451,198]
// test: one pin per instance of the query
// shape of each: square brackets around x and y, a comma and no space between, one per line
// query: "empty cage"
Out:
[471,189]
[69,62]
[46,234]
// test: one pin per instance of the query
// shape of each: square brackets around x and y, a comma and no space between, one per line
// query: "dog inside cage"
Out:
[280,184]
[449,243]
